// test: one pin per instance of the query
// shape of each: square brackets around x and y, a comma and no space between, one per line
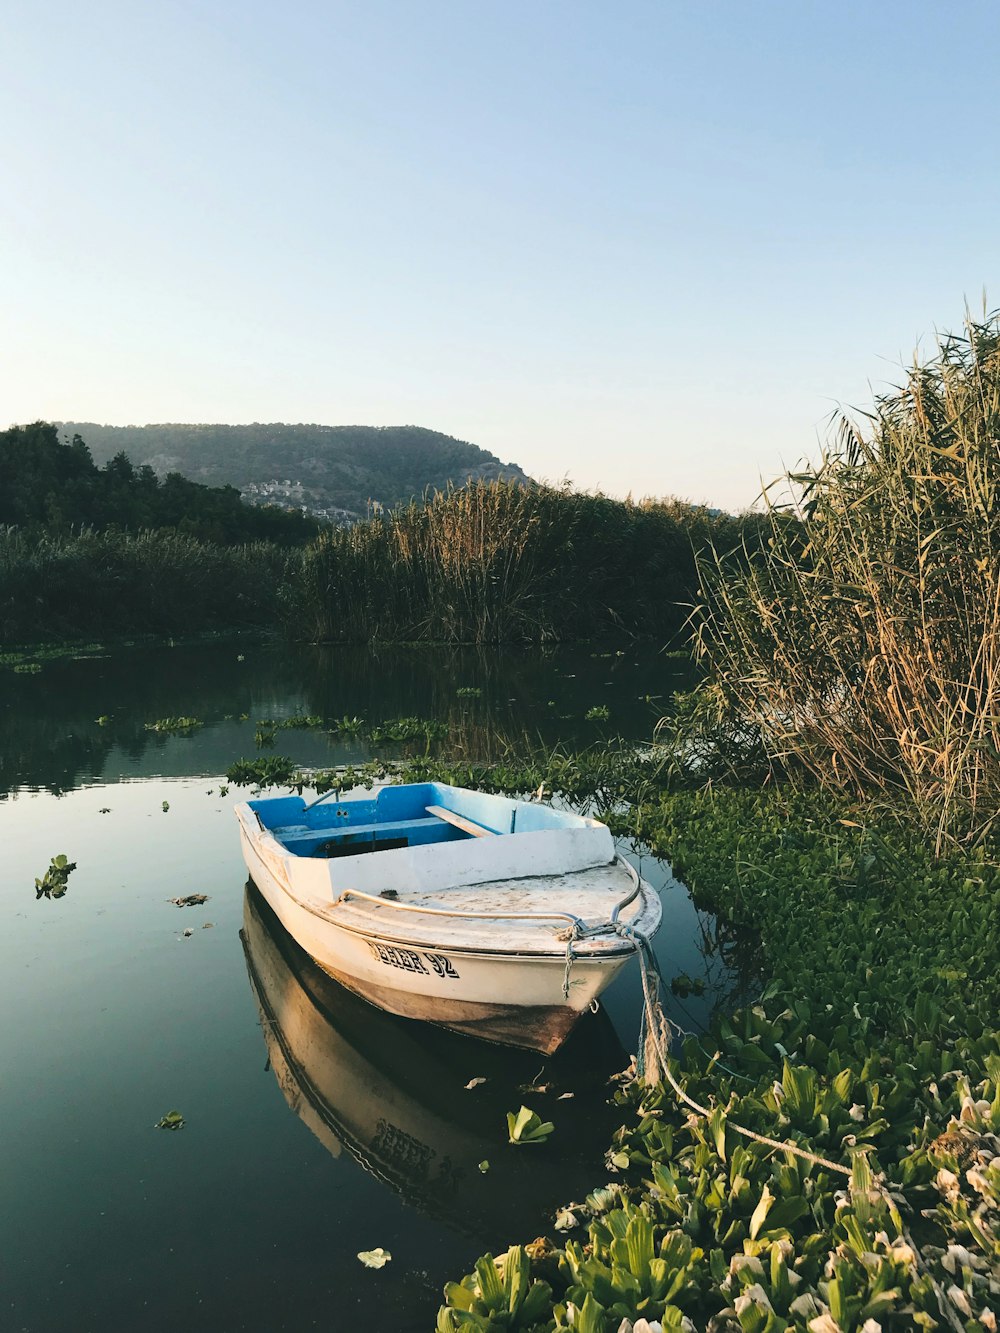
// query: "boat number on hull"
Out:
[409,961]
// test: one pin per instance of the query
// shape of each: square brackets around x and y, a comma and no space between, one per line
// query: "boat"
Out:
[393,1095]
[500,918]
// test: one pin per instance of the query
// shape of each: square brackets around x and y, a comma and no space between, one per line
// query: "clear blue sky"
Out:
[647,245]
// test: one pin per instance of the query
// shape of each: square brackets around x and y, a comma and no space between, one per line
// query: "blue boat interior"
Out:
[401,816]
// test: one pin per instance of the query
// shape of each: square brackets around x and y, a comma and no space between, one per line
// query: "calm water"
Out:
[315,1126]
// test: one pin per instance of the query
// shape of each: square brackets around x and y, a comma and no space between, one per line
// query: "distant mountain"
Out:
[330,471]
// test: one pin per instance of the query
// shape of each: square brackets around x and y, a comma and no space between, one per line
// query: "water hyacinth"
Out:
[870,1045]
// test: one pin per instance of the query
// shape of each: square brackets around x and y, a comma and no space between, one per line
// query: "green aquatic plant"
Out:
[55,881]
[500,1294]
[297,722]
[176,726]
[172,1120]
[468,692]
[347,726]
[599,713]
[408,729]
[872,1048]
[527,1126]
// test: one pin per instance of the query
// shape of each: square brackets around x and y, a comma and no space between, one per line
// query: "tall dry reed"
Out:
[495,562]
[863,643]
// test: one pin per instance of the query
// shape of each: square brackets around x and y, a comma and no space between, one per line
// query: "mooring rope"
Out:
[652,1057]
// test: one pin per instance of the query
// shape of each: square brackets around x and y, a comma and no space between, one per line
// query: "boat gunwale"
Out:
[584,949]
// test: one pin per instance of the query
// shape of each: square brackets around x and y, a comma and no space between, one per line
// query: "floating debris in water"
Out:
[54,882]
[172,1120]
[104,810]
[166,806]
[484,1166]
[565,1096]
[473,1083]
[189,900]
[188,932]
[374,1258]
[566,1220]
[207,925]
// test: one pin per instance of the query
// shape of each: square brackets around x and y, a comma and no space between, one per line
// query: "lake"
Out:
[315,1126]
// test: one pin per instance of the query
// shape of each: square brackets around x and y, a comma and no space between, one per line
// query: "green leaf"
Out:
[760,1212]
[527,1126]
[172,1120]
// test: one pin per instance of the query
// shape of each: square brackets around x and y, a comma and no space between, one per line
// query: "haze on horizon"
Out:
[648,247]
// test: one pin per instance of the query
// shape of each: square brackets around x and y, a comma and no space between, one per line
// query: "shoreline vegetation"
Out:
[89,554]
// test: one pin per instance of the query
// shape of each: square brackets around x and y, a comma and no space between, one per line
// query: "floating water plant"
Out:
[527,1126]
[599,713]
[374,1258]
[469,692]
[175,726]
[189,900]
[172,1120]
[55,881]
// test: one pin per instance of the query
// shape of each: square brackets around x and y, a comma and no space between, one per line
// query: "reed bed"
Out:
[496,562]
[862,641]
[96,585]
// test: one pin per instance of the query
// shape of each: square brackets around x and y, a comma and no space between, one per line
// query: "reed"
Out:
[862,642]
[496,562]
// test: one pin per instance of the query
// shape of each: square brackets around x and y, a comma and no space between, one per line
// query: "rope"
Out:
[653,1056]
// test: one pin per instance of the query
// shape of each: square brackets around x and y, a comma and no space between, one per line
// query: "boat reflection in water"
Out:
[391,1093]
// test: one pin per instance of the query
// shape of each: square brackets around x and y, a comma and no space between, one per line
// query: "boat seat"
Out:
[302,840]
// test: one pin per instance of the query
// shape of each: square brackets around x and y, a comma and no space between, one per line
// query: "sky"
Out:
[648,246]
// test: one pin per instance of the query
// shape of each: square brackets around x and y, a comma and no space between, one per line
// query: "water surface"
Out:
[315,1126]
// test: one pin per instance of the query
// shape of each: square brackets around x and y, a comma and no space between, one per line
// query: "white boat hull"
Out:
[515,999]
[453,907]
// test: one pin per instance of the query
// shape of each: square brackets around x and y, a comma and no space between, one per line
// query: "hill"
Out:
[52,485]
[331,471]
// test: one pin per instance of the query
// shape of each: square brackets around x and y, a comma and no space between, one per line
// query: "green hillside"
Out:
[322,468]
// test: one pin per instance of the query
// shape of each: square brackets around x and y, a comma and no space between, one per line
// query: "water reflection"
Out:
[392,1094]
[85,720]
